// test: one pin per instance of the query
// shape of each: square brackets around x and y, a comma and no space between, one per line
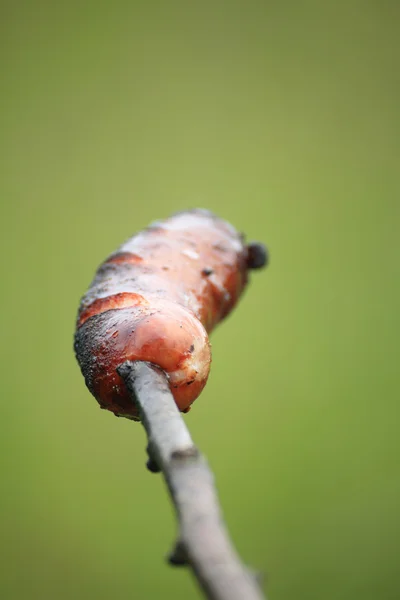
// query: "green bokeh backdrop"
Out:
[284,119]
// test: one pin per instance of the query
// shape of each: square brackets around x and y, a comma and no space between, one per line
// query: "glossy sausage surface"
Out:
[156,299]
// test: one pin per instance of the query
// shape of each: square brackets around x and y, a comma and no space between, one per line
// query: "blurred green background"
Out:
[284,119]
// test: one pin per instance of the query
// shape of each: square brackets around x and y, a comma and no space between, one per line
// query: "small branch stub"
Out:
[257,255]
[203,542]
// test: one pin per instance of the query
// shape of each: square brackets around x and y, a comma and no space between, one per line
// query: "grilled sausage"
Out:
[156,299]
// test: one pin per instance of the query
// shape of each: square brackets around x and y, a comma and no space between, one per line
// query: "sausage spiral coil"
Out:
[156,299]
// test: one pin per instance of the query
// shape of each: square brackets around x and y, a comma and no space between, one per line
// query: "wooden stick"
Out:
[203,542]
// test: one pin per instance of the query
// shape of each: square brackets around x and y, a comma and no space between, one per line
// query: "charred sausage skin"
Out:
[156,299]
